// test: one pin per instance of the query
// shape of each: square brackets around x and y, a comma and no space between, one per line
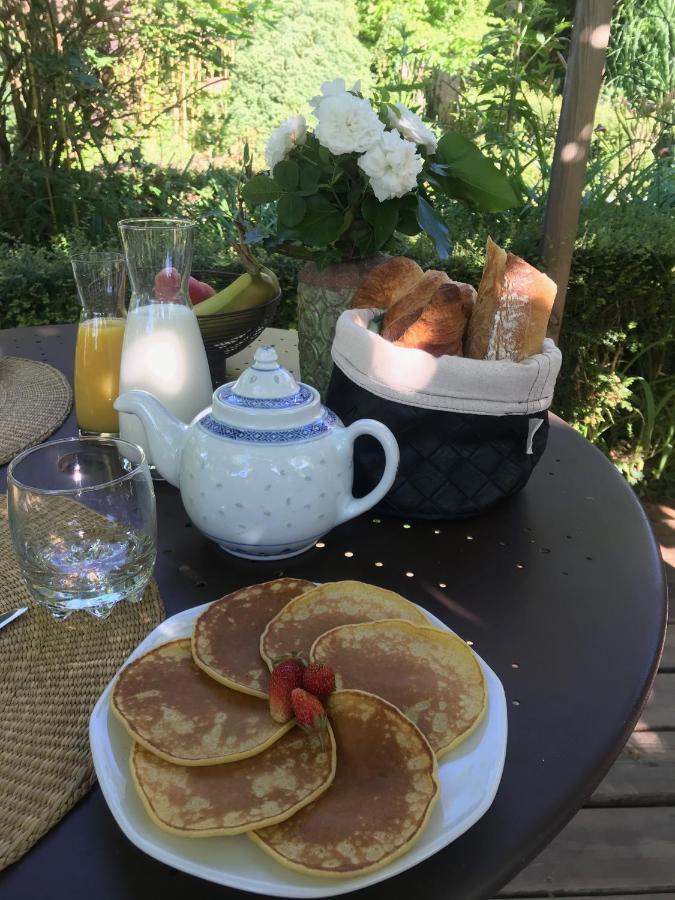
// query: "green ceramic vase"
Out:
[322,295]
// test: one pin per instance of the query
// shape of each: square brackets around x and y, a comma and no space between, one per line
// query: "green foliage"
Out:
[36,286]
[517,65]
[641,54]
[103,199]
[304,43]
[618,380]
[436,32]
[74,89]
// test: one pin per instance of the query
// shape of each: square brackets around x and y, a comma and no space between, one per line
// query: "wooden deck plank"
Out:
[659,711]
[608,851]
[622,845]
[643,775]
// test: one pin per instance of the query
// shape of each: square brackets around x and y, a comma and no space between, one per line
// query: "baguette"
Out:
[386,283]
[512,310]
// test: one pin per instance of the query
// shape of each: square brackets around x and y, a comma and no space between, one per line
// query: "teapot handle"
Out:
[355,506]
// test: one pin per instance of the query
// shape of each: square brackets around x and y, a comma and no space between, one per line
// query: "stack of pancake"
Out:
[208,759]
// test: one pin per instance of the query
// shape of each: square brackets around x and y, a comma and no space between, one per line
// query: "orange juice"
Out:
[97,373]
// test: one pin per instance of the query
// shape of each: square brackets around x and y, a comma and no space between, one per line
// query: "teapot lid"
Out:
[267,396]
[264,380]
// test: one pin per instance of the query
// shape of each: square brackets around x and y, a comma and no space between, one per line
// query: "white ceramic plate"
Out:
[469,779]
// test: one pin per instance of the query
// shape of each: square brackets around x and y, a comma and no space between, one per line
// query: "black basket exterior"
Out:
[453,465]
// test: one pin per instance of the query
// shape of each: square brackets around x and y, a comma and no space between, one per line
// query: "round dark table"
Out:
[561,590]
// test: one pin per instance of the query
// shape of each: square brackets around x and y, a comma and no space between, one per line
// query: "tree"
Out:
[73,73]
[306,43]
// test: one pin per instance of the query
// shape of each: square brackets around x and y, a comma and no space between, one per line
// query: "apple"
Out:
[199,290]
[167,284]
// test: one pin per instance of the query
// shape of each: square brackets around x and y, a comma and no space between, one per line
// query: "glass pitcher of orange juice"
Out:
[101,288]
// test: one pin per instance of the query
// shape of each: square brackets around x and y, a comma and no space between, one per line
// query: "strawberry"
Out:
[318,679]
[293,657]
[284,677]
[308,711]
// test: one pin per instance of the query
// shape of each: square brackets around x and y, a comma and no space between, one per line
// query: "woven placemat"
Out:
[34,400]
[51,675]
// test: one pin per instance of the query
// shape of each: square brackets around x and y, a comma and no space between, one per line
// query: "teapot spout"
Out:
[165,434]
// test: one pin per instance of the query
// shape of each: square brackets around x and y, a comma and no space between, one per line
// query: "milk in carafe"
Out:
[163,353]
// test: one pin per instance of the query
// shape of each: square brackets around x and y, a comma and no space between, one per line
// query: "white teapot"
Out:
[267,470]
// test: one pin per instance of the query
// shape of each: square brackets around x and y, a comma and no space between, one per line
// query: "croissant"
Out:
[438,327]
[386,283]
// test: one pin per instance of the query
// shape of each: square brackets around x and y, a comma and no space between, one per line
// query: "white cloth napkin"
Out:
[449,383]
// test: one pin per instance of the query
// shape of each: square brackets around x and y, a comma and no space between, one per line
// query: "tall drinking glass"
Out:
[101,288]
[163,350]
[83,524]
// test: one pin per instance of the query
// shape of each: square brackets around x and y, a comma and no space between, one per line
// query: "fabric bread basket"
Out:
[470,431]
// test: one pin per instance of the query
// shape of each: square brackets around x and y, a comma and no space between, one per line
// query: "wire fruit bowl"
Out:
[226,333]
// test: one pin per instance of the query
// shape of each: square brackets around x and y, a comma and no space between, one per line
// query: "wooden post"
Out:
[585,66]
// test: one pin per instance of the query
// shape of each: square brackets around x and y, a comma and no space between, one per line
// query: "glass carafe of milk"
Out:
[163,351]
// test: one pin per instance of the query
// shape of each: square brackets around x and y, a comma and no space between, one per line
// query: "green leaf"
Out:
[407,222]
[323,222]
[407,215]
[291,210]
[363,239]
[369,208]
[309,179]
[287,174]
[434,226]
[472,176]
[385,221]
[260,189]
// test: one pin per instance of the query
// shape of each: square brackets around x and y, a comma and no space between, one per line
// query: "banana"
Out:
[256,286]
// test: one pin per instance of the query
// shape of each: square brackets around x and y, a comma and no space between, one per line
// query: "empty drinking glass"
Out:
[83,524]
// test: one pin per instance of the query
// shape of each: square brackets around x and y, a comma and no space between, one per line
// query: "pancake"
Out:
[226,636]
[177,712]
[231,799]
[430,675]
[385,787]
[302,620]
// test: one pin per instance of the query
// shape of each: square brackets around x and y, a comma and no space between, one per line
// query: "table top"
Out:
[560,589]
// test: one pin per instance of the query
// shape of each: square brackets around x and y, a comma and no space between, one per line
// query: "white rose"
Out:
[412,127]
[291,133]
[332,89]
[347,124]
[392,165]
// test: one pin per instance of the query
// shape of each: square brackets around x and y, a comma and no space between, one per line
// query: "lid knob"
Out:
[266,358]
[265,379]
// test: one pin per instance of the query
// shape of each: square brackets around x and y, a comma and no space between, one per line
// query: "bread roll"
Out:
[396,317]
[384,284]
[513,308]
[439,326]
